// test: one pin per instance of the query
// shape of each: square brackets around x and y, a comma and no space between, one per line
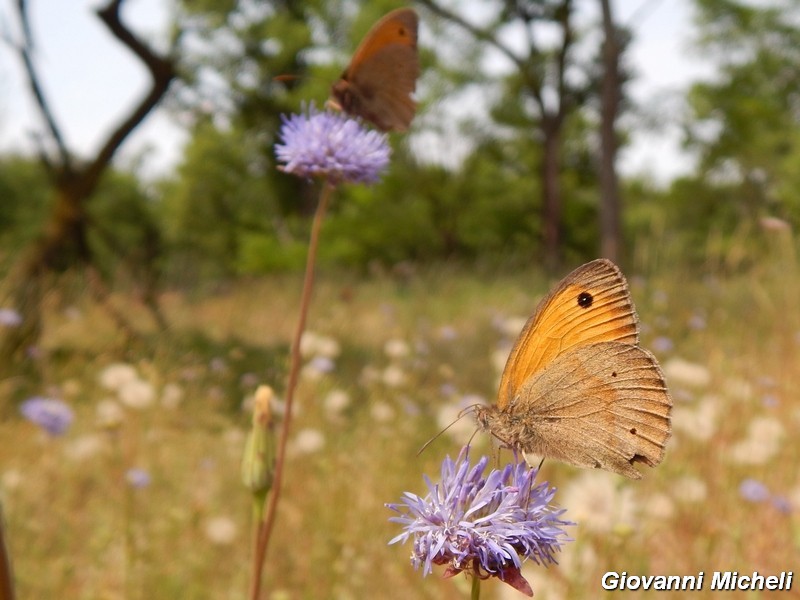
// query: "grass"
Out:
[77,529]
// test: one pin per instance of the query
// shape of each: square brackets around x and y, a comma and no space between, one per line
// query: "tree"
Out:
[614,43]
[744,124]
[64,241]
[551,85]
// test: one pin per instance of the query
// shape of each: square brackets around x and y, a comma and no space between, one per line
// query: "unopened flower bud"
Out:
[258,462]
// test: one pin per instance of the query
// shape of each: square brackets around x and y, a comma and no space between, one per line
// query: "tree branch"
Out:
[161,70]
[477,32]
[534,82]
[24,50]
[564,17]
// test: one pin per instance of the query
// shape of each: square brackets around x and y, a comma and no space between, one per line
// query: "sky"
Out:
[92,81]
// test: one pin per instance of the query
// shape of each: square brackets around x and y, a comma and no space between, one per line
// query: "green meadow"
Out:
[388,363]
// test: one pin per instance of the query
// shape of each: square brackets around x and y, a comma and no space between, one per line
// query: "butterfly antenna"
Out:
[461,414]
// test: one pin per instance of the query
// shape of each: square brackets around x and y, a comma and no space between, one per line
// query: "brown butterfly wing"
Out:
[380,90]
[382,75]
[602,406]
[590,305]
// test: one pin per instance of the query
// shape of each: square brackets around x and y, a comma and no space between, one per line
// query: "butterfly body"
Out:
[378,83]
[577,387]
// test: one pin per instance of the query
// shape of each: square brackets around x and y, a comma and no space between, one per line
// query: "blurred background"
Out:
[152,254]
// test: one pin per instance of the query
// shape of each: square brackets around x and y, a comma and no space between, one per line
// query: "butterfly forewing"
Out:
[384,92]
[591,305]
[378,83]
[397,27]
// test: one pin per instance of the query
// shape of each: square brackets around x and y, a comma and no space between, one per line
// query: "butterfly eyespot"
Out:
[633,430]
[585,299]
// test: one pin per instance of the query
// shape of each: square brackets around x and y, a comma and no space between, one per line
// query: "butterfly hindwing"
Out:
[599,406]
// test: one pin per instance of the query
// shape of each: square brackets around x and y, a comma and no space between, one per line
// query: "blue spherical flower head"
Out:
[54,416]
[332,146]
[483,525]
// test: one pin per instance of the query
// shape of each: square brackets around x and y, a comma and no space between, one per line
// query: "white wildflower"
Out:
[690,489]
[171,395]
[137,394]
[109,414]
[221,531]
[393,376]
[308,441]
[314,344]
[682,372]
[699,423]
[396,349]
[599,503]
[336,402]
[382,412]
[117,375]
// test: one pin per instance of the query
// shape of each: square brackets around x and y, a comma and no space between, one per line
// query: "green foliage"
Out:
[215,197]
[228,210]
[262,253]
[124,230]
[24,202]
[744,123]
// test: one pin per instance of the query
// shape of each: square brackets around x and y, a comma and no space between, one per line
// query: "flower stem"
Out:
[475,593]
[265,527]
[6,573]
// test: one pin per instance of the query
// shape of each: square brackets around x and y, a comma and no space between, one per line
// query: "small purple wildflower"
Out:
[10,318]
[54,416]
[662,345]
[322,364]
[782,503]
[483,525]
[770,401]
[333,146]
[697,322]
[753,490]
[137,478]
[448,389]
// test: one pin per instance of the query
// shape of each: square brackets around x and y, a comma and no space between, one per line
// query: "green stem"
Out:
[475,593]
[264,528]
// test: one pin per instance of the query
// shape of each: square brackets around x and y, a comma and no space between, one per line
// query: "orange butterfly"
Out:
[378,83]
[577,387]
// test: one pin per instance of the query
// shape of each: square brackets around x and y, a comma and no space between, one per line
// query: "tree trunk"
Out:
[551,196]
[610,200]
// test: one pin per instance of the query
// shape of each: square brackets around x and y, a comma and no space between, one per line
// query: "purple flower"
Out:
[662,344]
[753,490]
[782,503]
[137,478]
[483,525]
[54,416]
[331,145]
[770,401]
[322,364]
[10,318]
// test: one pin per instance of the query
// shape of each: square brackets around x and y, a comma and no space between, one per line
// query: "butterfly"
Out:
[577,387]
[378,83]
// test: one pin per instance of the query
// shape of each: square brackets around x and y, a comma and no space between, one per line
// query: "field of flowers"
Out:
[136,492]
